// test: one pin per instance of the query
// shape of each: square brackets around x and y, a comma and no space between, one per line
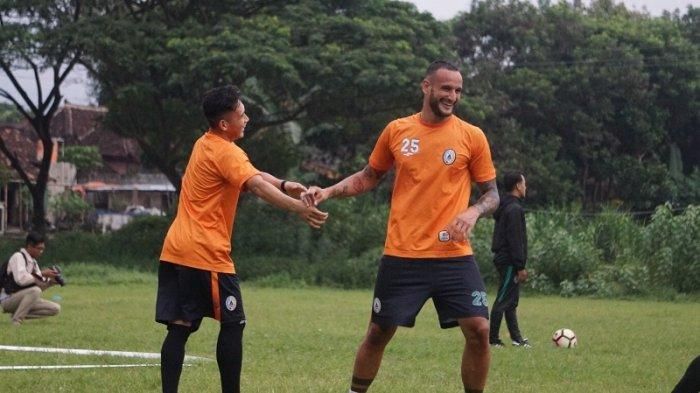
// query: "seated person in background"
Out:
[23,281]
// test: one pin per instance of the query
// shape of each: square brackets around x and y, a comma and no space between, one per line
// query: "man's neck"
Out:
[429,117]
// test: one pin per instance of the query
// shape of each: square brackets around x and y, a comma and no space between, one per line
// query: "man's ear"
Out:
[425,86]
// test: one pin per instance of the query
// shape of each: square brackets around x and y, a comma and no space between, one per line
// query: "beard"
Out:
[435,107]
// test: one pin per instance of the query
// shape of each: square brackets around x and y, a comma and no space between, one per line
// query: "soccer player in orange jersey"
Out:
[197,277]
[427,253]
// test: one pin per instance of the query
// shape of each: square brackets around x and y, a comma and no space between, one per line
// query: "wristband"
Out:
[284,190]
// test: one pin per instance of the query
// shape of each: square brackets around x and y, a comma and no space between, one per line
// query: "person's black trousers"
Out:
[506,303]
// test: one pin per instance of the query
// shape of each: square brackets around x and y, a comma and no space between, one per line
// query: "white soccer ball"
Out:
[564,338]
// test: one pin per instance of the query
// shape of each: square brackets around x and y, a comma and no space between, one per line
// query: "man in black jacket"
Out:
[510,255]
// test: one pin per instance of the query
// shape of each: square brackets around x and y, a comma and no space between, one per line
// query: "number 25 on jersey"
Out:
[409,147]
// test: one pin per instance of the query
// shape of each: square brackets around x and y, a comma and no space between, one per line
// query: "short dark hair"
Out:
[34,238]
[438,65]
[511,179]
[218,101]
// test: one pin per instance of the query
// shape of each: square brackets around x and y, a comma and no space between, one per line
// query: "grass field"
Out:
[304,340]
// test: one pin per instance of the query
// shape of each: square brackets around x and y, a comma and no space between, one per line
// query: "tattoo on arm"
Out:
[358,183]
[488,202]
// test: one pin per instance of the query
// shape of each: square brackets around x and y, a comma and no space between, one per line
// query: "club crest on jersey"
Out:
[449,157]
[231,303]
[377,305]
[444,236]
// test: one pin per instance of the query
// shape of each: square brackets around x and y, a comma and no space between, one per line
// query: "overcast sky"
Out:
[446,9]
[75,90]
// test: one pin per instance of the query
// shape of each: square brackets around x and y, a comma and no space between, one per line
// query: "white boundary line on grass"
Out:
[94,352]
[69,366]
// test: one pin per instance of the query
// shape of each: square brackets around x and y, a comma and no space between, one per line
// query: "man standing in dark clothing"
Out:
[510,255]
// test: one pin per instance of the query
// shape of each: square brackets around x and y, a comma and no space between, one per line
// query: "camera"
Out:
[59,277]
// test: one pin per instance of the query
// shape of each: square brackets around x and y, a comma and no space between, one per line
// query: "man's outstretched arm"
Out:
[355,184]
[272,195]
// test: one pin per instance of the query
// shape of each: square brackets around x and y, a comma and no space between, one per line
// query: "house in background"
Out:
[14,199]
[119,190]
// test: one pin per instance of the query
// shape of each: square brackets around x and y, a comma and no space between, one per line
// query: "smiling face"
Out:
[232,124]
[441,93]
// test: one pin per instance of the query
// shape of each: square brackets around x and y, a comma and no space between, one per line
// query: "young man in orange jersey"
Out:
[197,277]
[427,252]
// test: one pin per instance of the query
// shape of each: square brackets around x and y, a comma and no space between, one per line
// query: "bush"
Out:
[672,249]
[608,255]
[138,243]
[357,272]
[561,247]
[481,245]
[65,247]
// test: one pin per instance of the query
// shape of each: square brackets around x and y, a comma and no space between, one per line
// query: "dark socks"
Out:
[229,356]
[172,354]
[360,385]
[473,390]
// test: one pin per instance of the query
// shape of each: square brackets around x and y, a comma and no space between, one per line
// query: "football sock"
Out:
[360,385]
[172,354]
[229,356]
[467,390]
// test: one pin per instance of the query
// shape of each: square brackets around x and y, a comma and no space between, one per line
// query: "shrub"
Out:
[70,210]
[138,243]
[672,248]
[562,248]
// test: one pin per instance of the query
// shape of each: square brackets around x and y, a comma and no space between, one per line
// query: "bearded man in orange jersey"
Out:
[197,277]
[427,253]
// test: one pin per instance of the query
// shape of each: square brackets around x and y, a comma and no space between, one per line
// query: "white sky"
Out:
[446,9]
[75,88]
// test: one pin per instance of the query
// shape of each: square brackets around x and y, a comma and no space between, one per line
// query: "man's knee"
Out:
[475,329]
[34,292]
[54,309]
[378,336]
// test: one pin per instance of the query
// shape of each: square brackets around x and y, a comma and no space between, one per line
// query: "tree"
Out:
[336,69]
[8,114]
[602,96]
[39,36]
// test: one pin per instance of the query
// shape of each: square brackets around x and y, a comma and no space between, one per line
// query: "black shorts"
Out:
[190,294]
[404,285]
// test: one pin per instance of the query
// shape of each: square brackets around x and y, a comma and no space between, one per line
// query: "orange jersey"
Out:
[435,165]
[200,235]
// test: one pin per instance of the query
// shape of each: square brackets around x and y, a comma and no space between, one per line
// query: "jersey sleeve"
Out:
[235,167]
[481,165]
[381,158]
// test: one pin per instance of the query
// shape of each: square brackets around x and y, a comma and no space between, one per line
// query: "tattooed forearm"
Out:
[488,202]
[358,186]
[357,183]
[371,174]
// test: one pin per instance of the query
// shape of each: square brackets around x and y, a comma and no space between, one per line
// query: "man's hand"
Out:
[311,215]
[521,276]
[461,226]
[315,195]
[294,189]
[49,273]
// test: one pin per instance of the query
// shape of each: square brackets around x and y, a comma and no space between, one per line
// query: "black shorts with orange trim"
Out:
[405,284]
[189,294]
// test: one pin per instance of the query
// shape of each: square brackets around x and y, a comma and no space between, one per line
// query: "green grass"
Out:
[304,340]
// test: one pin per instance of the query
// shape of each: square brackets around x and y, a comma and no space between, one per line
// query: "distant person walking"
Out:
[197,277]
[510,256]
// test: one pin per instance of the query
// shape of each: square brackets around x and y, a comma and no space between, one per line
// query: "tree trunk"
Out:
[39,190]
